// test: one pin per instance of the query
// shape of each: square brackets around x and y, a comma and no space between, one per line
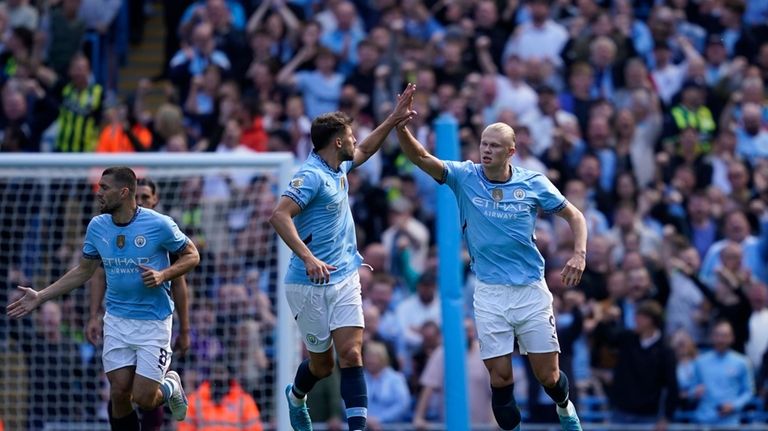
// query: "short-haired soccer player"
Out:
[147,196]
[133,244]
[498,205]
[314,219]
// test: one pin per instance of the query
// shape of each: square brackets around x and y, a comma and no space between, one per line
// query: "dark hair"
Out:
[25,36]
[147,182]
[429,277]
[653,311]
[124,177]
[326,126]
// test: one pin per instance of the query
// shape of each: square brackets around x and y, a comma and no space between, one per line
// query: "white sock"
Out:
[569,410]
[168,387]
[296,401]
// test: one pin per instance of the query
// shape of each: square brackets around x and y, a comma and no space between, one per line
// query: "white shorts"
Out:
[144,344]
[503,312]
[318,310]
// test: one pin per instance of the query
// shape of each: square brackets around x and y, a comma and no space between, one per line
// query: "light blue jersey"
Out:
[727,378]
[498,220]
[325,222]
[145,240]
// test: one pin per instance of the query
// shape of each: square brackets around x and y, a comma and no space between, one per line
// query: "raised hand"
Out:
[24,305]
[404,108]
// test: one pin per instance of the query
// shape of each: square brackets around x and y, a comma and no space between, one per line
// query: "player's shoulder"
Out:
[465,167]
[150,216]
[528,176]
[309,172]
[100,221]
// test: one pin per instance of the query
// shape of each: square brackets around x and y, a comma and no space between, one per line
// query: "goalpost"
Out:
[221,201]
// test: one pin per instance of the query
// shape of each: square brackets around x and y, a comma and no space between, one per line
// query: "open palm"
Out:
[24,305]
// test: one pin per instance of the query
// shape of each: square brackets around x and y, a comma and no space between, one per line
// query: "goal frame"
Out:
[288,354]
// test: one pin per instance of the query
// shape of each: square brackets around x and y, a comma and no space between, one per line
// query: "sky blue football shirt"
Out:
[325,222]
[498,220]
[145,240]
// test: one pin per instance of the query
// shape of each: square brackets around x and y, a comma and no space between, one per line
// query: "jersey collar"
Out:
[324,163]
[482,174]
[136,214]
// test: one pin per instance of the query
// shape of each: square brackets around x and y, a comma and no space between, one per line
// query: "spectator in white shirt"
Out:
[541,38]
[418,308]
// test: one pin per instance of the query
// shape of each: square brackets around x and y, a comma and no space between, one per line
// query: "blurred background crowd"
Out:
[649,116]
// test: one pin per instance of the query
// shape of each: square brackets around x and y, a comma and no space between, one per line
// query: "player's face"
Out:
[110,195]
[494,150]
[348,141]
[145,198]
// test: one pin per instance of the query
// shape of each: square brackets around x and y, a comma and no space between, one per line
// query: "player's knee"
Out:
[549,378]
[119,396]
[351,357]
[501,377]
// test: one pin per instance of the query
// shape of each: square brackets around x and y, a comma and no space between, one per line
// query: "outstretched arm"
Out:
[403,111]
[72,279]
[418,155]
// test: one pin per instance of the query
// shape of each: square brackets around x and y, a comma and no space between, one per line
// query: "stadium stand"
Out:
[651,117]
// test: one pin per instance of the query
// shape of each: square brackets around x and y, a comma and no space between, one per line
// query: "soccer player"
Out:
[314,219]
[133,244]
[146,197]
[498,204]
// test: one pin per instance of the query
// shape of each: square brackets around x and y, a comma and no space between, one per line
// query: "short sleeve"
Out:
[89,245]
[174,239]
[347,166]
[454,171]
[548,197]
[302,188]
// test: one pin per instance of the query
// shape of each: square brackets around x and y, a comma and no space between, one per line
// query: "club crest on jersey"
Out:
[120,241]
[139,241]
[519,194]
[497,194]
[297,182]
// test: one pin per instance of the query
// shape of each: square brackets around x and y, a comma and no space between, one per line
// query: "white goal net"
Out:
[51,377]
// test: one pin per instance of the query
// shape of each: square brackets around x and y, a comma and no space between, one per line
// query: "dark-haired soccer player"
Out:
[133,244]
[314,219]
[147,196]
[498,204]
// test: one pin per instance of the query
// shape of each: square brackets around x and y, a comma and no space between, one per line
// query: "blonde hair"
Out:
[380,350]
[505,130]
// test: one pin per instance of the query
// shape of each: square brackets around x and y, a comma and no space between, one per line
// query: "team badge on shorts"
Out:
[497,194]
[120,241]
[311,339]
[519,194]
[139,241]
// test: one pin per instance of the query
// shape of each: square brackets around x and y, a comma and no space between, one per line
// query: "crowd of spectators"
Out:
[650,117]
